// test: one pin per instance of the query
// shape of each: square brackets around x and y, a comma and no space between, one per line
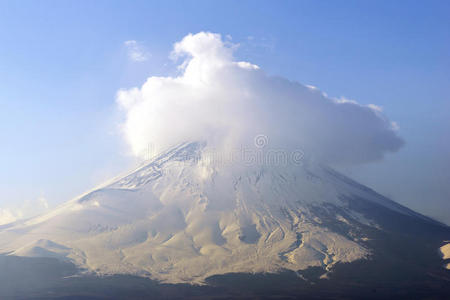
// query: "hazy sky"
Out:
[62,63]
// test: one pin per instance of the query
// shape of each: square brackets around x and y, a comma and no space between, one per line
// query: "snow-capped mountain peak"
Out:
[182,218]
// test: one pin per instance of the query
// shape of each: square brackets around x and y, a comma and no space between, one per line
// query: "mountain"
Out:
[184,218]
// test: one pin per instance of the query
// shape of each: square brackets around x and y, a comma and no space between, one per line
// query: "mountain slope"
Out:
[184,218]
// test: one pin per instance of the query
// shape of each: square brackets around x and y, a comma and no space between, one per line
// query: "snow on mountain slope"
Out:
[445,252]
[181,218]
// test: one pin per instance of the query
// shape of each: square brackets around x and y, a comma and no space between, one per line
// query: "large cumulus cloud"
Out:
[227,103]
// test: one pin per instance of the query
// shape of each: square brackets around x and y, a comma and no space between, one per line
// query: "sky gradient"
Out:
[62,63]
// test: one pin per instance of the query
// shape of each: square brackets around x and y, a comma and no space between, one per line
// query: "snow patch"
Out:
[445,252]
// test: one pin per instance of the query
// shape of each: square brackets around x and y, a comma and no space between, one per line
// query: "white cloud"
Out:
[375,107]
[136,51]
[6,216]
[42,202]
[224,102]
[24,210]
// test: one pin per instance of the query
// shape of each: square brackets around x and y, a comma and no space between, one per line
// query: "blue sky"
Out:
[62,62]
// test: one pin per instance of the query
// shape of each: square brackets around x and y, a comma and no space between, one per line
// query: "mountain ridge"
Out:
[178,218]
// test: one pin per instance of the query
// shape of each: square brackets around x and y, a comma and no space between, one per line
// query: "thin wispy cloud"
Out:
[136,51]
[254,44]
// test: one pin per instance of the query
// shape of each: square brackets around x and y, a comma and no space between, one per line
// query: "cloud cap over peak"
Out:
[227,103]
